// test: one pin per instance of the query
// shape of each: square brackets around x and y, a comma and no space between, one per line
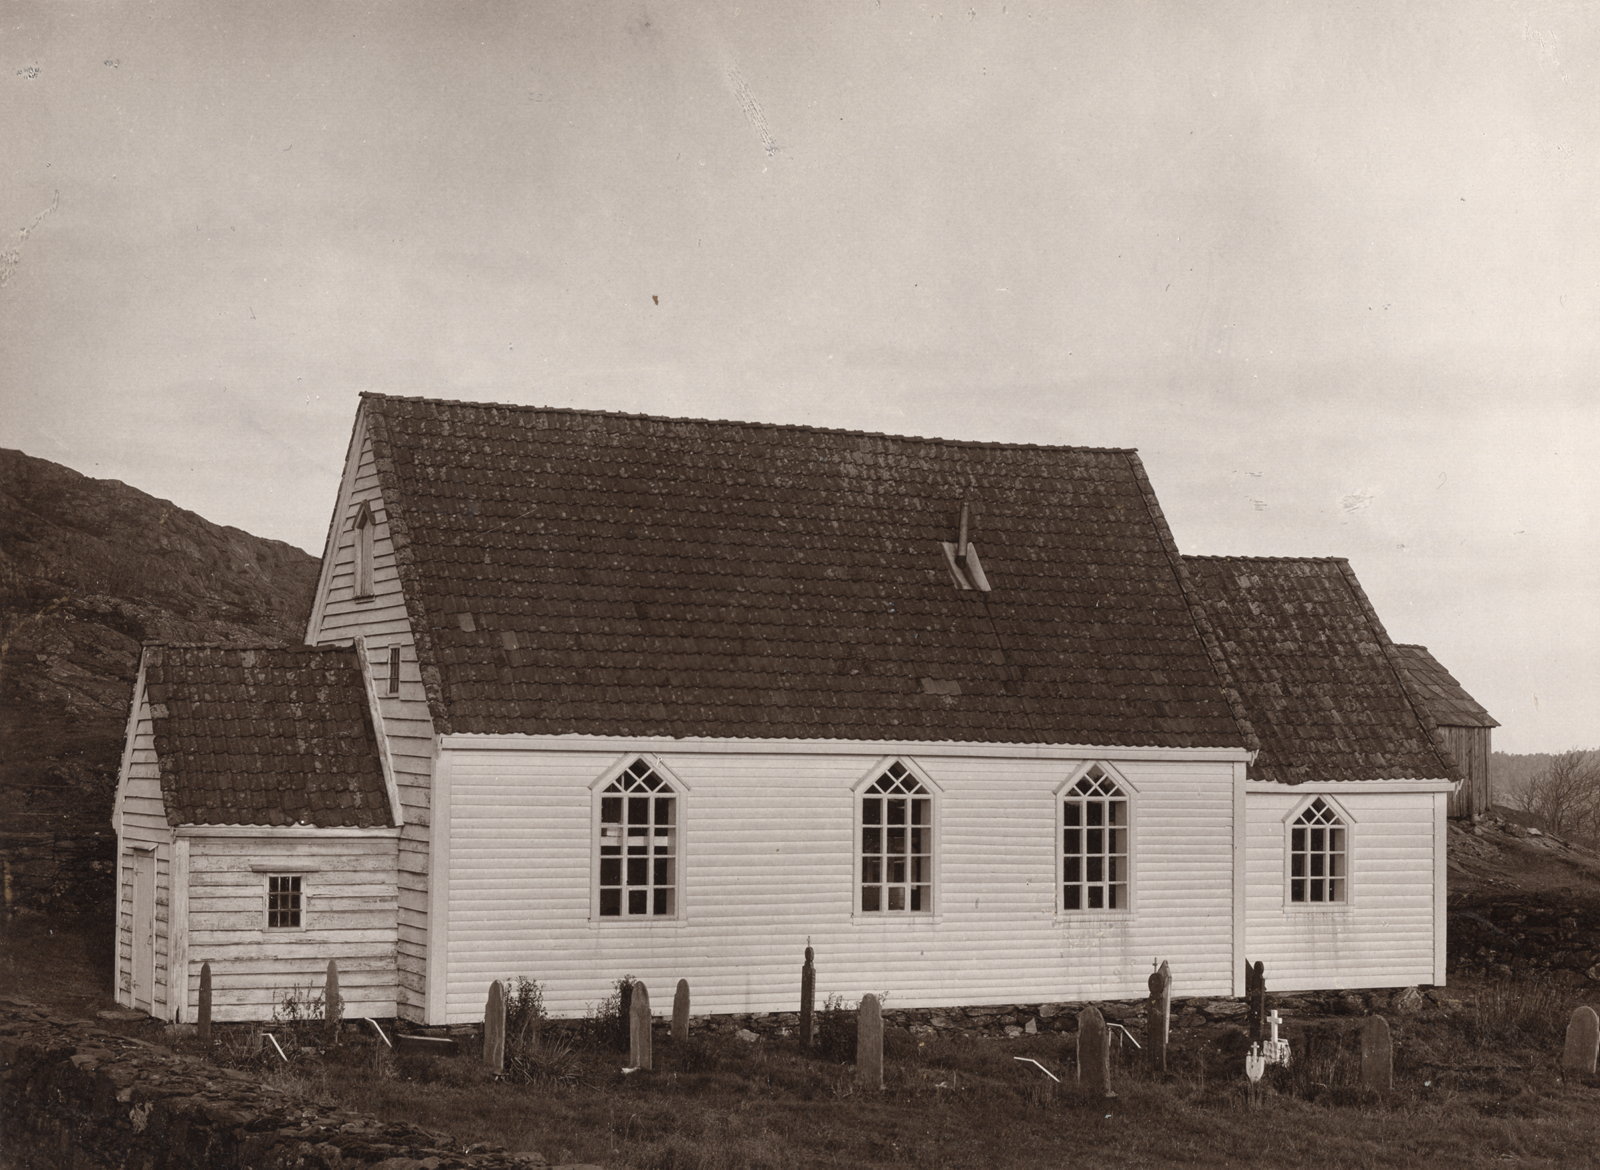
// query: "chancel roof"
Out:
[1321,682]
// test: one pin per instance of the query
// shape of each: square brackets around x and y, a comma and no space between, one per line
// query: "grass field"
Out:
[1477,1085]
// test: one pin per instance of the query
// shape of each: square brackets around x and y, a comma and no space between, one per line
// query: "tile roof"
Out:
[1320,679]
[1444,697]
[582,572]
[264,736]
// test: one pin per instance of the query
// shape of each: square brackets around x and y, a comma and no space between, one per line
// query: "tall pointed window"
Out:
[364,525]
[896,844]
[1317,855]
[638,845]
[1094,843]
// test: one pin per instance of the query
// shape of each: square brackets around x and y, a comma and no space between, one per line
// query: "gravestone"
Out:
[680,1013]
[204,1021]
[494,1029]
[625,1013]
[808,1000]
[1583,1041]
[1158,1017]
[1094,1054]
[639,1054]
[1377,1055]
[332,1005]
[869,1043]
[1255,998]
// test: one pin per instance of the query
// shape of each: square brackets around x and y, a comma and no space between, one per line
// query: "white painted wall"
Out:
[1390,933]
[141,822]
[338,616]
[769,865]
[349,890]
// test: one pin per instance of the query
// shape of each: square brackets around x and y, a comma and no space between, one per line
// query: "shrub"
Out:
[836,1030]
[298,1017]
[605,1025]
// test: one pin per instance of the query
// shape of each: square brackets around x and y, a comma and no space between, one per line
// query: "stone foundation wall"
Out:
[75,1097]
[1012,1020]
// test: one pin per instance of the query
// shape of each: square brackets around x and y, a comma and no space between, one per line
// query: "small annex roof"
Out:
[264,736]
[584,572]
[1321,681]
[1446,700]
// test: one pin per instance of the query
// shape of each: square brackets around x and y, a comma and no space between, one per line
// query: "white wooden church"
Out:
[589,694]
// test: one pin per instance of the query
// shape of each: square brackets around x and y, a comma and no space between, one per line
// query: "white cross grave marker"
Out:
[1275,1050]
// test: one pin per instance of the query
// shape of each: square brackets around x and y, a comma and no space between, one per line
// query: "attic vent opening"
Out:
[364,525]
[962,557]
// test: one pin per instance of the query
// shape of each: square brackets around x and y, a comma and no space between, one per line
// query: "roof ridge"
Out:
[1269,560]
[805,428]
[297,647]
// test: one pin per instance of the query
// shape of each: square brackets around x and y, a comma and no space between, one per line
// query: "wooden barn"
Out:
[1465,725]
[674,698]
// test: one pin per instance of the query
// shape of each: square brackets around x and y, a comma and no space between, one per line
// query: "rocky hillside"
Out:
[89,569]
[1523,902]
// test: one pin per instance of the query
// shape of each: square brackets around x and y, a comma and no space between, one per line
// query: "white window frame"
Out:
[1348,823]
[361,569]
[680,793]
[1130,794]
[858,796]
[301,902]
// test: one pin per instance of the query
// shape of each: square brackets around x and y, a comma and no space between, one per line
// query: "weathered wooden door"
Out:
[144,929]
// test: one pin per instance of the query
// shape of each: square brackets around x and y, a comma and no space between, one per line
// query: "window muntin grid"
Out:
[896,844]
[1317,856]
[1094,844]
[638,851]
[284,901]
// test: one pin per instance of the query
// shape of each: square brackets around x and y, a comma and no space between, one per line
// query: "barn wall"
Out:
[406,724]
[1385,936]
[142,823]
[769,867]
[1470,747]
[350,903]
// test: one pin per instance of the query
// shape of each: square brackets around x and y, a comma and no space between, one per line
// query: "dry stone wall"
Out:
[76,1097]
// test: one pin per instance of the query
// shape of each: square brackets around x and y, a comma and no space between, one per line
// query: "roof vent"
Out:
[962,557]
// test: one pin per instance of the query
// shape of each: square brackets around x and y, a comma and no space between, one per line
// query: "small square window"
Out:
[284,901]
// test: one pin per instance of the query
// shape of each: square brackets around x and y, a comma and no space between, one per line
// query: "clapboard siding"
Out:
[142,824]
[1470,747]
[768,841]
[349,908]
[406,725]
[1385,935]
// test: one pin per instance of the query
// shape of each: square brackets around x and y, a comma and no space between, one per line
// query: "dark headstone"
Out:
[1094,1054]
[1158,1017]
[1377,1055]
[808,1000]
[494,1029]
[680,1013]
[639,1053]
[625,1013]
[1583,1041]
[332,1004]
[204,1019]
[1255,998]
[869,1043]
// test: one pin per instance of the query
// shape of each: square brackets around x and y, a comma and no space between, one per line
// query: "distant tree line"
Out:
[1564,795]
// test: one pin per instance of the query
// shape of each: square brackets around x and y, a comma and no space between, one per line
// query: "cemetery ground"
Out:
[1477,1076]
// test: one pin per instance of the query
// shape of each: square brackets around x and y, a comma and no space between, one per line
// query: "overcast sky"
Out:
[1333,269]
